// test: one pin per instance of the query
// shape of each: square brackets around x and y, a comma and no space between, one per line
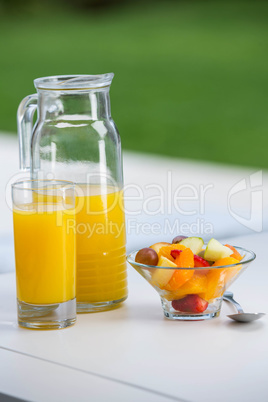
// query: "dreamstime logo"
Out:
[254,187]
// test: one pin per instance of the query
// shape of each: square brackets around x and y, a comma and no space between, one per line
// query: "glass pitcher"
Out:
[75,139]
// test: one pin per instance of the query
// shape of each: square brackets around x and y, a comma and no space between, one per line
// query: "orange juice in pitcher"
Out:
[76,139]
[101,239]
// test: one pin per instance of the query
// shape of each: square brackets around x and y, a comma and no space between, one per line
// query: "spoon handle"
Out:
[231,300]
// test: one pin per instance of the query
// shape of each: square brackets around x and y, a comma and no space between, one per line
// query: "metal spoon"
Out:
[241,316]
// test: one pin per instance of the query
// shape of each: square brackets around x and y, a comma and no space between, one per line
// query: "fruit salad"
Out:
[197,284]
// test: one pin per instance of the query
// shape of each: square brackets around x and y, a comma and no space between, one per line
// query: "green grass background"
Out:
[191,77]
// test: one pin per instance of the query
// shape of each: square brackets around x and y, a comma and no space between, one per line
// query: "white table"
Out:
[135,354]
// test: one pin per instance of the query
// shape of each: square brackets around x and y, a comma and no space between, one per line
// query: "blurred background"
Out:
[189,98]
[190,76]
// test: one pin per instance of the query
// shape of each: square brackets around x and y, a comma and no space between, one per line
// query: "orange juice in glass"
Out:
[101,240]
[45,253]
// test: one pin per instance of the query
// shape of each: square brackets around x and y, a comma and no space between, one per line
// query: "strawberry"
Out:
[190,304]
[174,253]
[200,262]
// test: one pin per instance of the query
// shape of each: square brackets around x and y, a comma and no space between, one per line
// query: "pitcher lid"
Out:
[74,82]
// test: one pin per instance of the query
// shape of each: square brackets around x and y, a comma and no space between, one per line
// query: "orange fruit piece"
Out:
[184,260]
[196,285]
[235,254]
[219,278]
[215,284]
[165,251]
[179,278]
[225,261]
[229,273]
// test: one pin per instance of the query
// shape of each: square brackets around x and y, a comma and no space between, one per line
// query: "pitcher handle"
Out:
[25,115]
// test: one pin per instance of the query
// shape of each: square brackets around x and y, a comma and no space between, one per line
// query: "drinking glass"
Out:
[45,253]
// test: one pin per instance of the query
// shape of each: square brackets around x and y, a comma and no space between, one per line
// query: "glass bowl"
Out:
[204,287]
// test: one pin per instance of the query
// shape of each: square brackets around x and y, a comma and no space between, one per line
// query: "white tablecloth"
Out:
[134,353]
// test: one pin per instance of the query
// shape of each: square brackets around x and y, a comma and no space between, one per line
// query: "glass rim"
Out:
[55,183]
[74,82]
[242,262]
